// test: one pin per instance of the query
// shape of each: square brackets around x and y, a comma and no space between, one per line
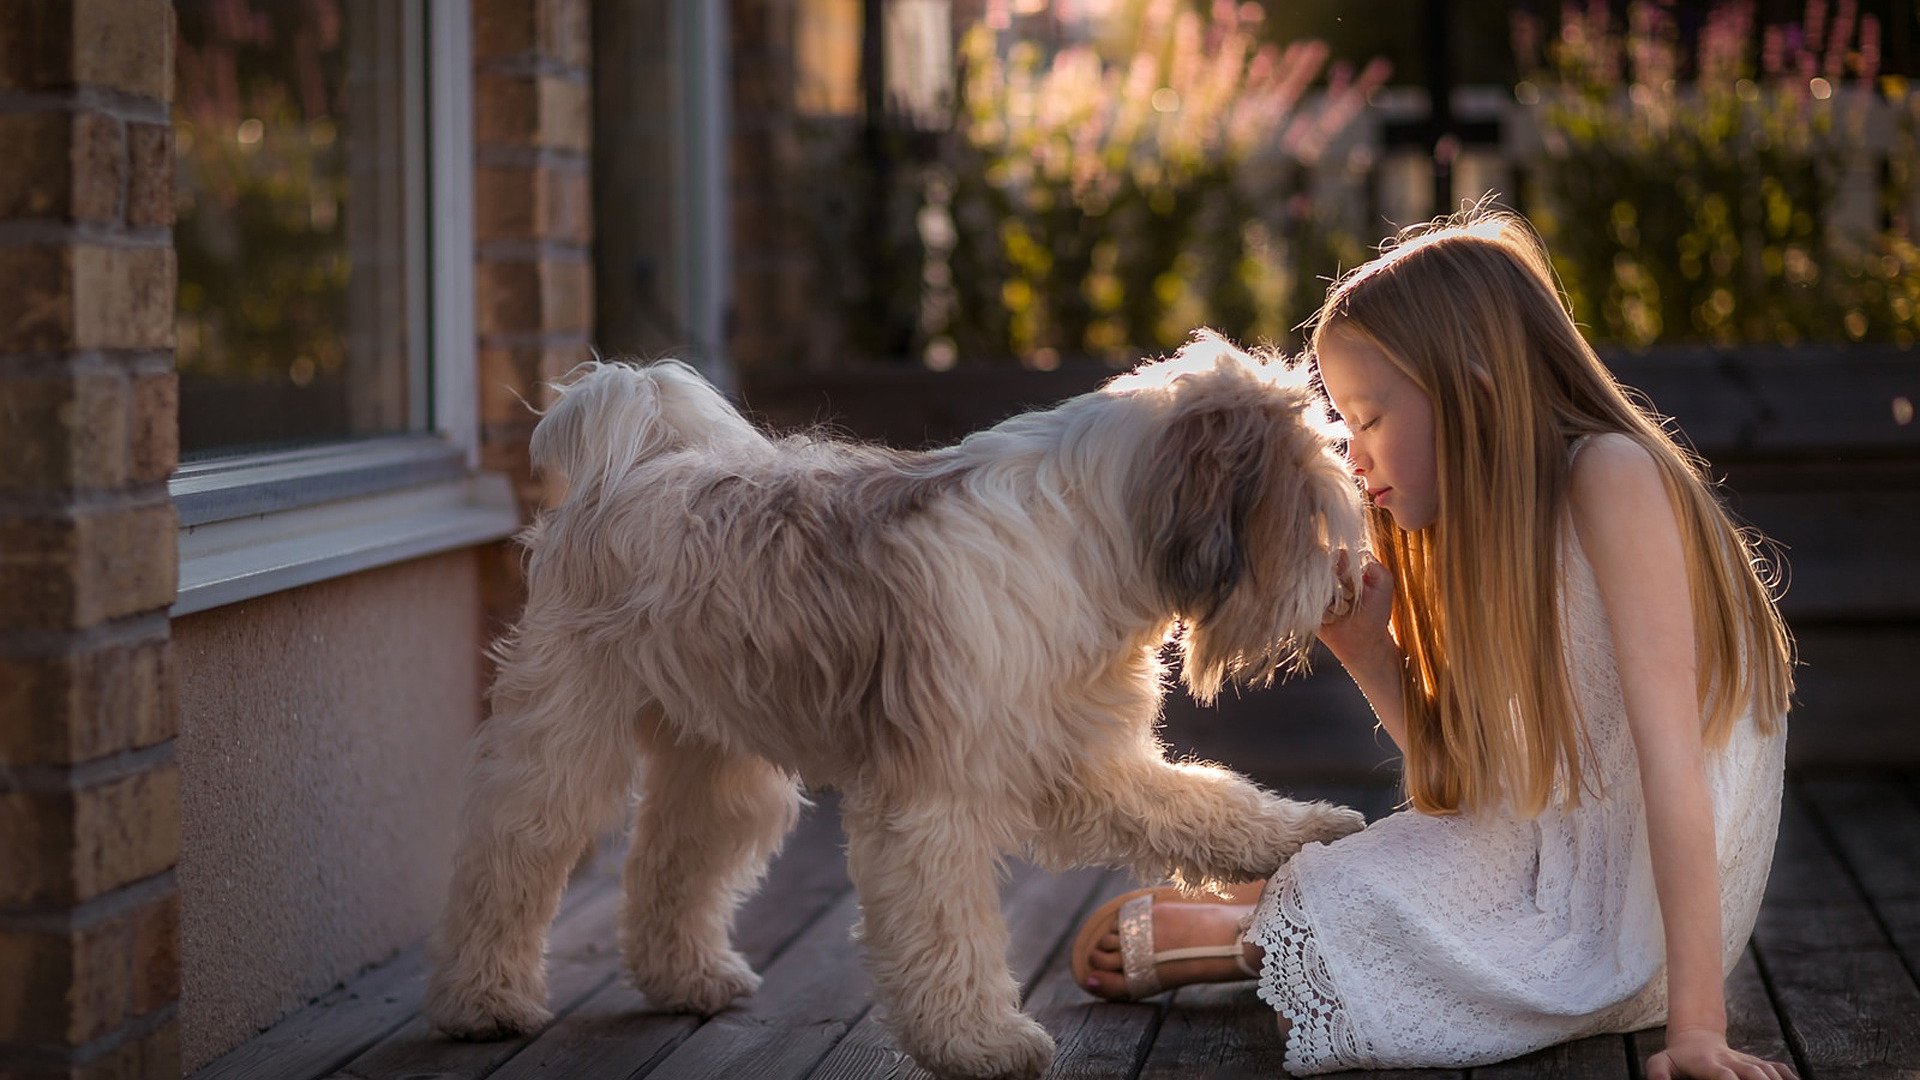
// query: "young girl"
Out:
[1576,653]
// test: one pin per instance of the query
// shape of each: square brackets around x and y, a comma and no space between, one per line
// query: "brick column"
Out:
[532,229]
[773,323]
[89,791]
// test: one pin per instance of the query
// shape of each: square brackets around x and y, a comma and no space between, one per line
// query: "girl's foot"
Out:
[1177,927]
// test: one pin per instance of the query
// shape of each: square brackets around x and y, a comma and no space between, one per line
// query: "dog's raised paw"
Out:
[1333,822]
[1278,834]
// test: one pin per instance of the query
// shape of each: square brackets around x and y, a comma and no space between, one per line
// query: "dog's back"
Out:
[737,576]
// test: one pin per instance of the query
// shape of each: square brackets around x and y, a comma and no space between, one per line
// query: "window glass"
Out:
[298,132]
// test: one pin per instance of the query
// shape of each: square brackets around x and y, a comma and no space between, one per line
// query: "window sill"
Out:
[242,558]
[221,489]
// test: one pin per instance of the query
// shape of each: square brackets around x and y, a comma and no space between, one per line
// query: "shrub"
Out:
[1107,198]
[1696,196]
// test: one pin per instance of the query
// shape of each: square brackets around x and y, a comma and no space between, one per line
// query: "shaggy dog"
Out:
[965,642]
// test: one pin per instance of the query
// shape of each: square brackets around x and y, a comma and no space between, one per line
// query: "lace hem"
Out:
[1294,980]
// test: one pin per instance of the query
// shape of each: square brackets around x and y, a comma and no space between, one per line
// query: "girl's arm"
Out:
[1360,641]
[1627,526]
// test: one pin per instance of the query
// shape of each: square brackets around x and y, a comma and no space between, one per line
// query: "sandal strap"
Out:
[1197,952]
[1236,952]
[1136,947]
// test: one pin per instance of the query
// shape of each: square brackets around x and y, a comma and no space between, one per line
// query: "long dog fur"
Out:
[965,642]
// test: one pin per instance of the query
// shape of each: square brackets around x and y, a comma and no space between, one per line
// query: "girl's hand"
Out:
[1362,628]
[1356,633]
[1704,1055]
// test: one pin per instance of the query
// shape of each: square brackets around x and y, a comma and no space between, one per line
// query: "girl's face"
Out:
[1390,421]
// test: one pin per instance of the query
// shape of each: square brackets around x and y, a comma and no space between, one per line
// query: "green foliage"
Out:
[1108,198]
[1708,209]
[261,192]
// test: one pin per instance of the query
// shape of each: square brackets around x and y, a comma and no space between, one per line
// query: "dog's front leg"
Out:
[1194,823]
[937,943]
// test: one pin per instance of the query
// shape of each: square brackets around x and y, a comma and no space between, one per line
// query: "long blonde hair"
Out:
[1468,308]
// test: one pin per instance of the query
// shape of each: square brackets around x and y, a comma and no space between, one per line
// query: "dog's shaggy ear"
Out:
[1245,509]
[1194,503]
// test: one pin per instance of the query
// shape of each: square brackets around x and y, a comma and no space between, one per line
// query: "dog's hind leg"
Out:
[539,783]
[937,942]
[707,824]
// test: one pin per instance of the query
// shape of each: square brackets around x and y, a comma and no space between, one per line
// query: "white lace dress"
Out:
[1457,941]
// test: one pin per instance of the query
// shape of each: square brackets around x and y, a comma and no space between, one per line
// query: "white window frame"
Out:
[705,134]
[258,524]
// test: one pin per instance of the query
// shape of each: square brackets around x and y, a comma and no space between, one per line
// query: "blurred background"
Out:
[911,218]
[991,205]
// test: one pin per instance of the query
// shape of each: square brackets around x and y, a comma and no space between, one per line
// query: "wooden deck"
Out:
[1829,981]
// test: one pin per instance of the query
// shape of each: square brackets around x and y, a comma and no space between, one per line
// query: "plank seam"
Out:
[527,1040]
[1824,829]
[1796,1044]
[1065,941]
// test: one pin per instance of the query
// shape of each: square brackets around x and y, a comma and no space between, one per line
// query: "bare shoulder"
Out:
[1613,457]
[1617,493]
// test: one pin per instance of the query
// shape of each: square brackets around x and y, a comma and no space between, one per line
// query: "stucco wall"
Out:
[321,734]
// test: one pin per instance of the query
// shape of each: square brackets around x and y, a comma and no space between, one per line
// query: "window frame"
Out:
[255,524]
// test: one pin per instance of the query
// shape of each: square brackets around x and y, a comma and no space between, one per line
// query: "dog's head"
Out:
[1249,520]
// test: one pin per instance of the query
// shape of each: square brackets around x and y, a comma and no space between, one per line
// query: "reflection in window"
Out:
[298,128]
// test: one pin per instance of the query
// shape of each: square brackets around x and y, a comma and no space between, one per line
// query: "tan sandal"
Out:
[1131,913]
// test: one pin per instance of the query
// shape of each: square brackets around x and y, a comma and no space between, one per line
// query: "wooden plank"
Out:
[584,962]
[1602,1057]
[1093,1039]
[812,995]
[337,1028]
[1846,1000]
[1042,912]
[331,1031]
[806,878]
[1247,1032]
[580,959]
[1222,1029]
[613,1034]
[1398,1074]
[1876,823]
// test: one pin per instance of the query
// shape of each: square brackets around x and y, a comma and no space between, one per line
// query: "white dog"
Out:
[965,642]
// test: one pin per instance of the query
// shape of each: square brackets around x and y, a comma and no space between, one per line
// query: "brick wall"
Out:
[89,791]
[533,232]
[533,220]
[771,320]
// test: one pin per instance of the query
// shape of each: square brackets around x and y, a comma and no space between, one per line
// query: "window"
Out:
[325,329]
[301,239]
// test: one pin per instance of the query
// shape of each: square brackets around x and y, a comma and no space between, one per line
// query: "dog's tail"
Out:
[610,417]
